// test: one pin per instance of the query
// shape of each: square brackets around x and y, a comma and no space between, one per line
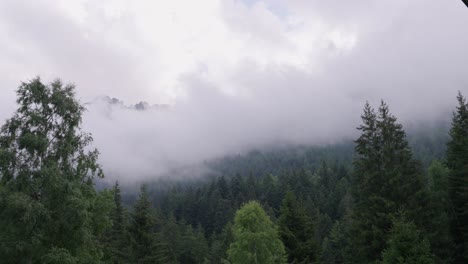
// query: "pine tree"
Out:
[256,239]
[386,178]
[142,230]
[194,247]
[48,205]
[457,162]
[169,247]
[296,231]
[117,237]
[440,209]
[220,244]
[335,245]
[406,245]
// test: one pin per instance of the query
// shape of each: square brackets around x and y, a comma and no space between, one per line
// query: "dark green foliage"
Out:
[296,231]
[256,239]
[386,178]
[335,245]
[220,244]
[406,245]
[439,212]
[194,246]
[116,239]
[50,211]
[58,256]
[457,162]
[143,240]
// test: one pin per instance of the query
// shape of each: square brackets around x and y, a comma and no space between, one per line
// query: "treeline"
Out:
[369,202]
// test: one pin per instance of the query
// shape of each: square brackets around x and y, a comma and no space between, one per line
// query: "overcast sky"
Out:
[237,74]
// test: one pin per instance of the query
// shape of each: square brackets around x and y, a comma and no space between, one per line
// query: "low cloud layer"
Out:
[236,74]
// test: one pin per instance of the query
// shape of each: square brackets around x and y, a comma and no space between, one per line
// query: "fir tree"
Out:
[406,245]
[440,209]
[386,178]
[296,231]
[457,162]
[117,237]
[220,244]
[335,245]
[142,230]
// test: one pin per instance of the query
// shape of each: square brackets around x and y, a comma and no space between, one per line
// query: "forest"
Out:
[386,197]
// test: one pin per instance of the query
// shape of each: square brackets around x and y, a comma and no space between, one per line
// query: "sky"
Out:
[236,74]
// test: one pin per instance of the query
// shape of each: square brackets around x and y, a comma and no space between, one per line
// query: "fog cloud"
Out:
[236,74]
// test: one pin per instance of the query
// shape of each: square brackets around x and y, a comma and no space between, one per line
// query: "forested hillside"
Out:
[384,198]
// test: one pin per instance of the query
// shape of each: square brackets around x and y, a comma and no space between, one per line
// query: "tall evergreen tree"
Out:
[142,230]
[335,245]
[386,178]
[440,209]
[256,239]
[117,237]
[296,231]
[406,245]
[48,205]
[169,245]
[220,244]
[457,162]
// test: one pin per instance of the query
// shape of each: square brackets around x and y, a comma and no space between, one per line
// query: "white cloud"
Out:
[239,74]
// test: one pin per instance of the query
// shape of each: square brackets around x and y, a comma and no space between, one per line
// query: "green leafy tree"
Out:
[457,162]
[49,208]
[406,245]
[256,239]
[296,231]
[386,178]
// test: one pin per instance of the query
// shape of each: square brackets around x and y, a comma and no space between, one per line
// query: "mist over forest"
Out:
[233,131]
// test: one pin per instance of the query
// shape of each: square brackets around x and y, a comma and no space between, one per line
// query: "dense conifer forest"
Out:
[383,198]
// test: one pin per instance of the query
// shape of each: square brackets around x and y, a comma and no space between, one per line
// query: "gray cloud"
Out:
[298,77]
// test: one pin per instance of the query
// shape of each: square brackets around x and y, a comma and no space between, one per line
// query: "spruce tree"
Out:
[169,247]
[48,205]
[386,178]
[440,209]
[117,237]
[335,245]
[296,231]
[220,244]
[142,233]
[406,245]
[256,238]
[457,162]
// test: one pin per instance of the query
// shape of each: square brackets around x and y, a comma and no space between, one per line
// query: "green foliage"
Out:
[335,245]
[256,239]
[58,256]
[194,245]
[457,162]
[143,240]
[439,212]
[220,244]
[49,207]
[386,178]
[116,238]
[296,231]
[406,245]
[51,213]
